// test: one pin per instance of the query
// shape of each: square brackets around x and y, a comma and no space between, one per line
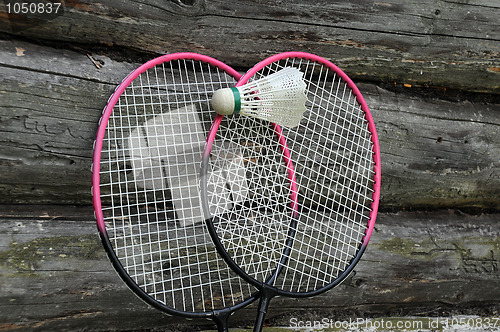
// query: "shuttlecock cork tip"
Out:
[223,101]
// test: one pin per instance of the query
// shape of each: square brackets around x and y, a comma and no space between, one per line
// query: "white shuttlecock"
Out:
[279,98]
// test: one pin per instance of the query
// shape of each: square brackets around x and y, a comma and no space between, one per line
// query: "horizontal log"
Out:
[435,152]
[55,274]
[438,43]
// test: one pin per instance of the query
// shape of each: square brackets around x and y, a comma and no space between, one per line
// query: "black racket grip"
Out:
[267,293]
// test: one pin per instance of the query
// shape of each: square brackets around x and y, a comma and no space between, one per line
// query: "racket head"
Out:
[327,212]
[145,187]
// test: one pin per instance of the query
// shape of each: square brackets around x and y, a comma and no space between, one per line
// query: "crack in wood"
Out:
[467,3]
[41,71]
[351,28]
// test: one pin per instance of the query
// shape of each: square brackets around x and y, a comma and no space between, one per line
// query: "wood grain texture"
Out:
[55,274]
[426,43]
[435,153]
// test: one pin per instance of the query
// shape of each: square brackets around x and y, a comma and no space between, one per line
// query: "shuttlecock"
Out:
[279,98]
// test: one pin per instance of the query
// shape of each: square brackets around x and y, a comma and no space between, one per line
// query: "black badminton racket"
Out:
[312,190]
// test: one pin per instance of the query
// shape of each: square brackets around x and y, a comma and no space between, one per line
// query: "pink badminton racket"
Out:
[308,196]
[146,188]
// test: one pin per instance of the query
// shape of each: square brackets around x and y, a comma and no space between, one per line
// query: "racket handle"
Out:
[221,318]
[267,294]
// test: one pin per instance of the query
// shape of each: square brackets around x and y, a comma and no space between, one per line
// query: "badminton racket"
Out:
[313,189]
[146,188]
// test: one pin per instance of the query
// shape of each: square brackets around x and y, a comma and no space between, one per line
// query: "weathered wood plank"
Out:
[54,274]
[435,153]
[437,43]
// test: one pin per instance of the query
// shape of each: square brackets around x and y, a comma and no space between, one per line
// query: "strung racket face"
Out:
[313,190]
[146,186]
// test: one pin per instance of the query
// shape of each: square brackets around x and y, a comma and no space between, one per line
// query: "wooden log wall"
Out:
[430,42]
[429,70]
[55,275]
[435,153]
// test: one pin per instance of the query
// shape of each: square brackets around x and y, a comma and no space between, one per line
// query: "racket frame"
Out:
[219,316]
[265,287]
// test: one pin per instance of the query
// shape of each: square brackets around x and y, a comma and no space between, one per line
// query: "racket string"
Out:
[262,202]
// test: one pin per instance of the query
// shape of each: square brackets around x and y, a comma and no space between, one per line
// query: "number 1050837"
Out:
[33,7]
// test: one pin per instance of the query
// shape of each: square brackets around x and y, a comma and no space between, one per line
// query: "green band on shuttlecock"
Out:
[237,100]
